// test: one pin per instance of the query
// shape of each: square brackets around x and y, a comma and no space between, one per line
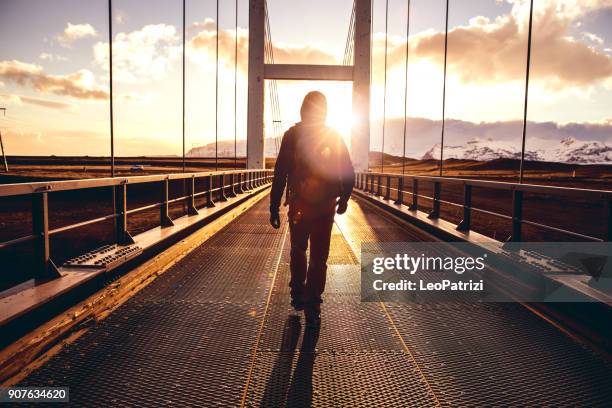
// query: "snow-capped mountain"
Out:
[571,150]
[226,149]
[568,150]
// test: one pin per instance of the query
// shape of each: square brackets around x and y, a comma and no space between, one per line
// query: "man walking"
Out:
[314,163]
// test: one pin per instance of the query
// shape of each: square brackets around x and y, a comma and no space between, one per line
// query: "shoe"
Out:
[312,313]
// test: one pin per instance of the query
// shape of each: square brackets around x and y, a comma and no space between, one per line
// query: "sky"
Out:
[54,76]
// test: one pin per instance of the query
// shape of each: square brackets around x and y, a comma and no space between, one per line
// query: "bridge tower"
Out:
[358,73]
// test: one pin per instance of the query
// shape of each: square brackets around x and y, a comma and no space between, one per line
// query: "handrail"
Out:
[502,185]
[374,183]
[238,181]
[7,190]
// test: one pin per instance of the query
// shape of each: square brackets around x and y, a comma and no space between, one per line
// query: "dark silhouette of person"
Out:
[314,163]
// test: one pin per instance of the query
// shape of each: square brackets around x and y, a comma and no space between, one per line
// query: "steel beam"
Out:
[308,72]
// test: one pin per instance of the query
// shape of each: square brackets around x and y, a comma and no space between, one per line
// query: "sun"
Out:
[340,117]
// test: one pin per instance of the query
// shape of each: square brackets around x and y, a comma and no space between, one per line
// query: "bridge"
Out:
[195,311]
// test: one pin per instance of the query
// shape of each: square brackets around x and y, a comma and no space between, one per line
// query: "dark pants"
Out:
[308,280]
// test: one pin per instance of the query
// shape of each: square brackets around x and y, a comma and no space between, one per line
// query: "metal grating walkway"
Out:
[217,330]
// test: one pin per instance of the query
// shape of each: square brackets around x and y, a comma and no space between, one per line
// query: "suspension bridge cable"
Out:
[351,55]
[382,153]
[217,92]
[110,96]
[351,51]
[269,58]
[272,85]
[521,170]
[350,60]
[183,86]
[347,45]
[444,90]
[236,89]
[371,49]
[406,88]
[348,37]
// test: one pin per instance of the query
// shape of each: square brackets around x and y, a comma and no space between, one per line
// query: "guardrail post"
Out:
[121,231]
[517,215]
[366,186]
[232,190]
[359,181]
[400,190]
[465,223]
[209,192]
[221,196]
[191,208]
[164,216]
[379,187]
[415,196]
[388,191]
[435,211]
[45,268]
[245,182]
[239,184]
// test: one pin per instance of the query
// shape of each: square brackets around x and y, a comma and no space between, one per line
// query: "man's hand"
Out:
[342,205]
[275,220]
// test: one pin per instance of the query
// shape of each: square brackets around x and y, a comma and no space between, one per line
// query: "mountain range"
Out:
[568,150]
[576,143]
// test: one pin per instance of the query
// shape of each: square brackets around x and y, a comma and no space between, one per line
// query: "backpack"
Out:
[316,166]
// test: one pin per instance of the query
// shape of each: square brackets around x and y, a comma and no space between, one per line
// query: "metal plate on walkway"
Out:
[189,337]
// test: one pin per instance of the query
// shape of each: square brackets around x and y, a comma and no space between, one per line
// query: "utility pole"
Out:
[2,145]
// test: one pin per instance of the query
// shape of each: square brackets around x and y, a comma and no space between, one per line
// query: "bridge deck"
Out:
[217,329]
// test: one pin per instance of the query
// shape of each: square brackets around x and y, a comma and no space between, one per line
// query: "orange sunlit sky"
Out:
[54,76]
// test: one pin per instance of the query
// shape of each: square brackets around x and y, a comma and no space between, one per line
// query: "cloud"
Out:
[46,103]
[79,85]
[74,32]
[593,38]
[480,52]
[120,16]
[487,51]
[51,57]
[11,100]
[201,48]
[134,97]
[141,55]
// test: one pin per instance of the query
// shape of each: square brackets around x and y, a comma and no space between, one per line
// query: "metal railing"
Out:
[375,183]
[228,184]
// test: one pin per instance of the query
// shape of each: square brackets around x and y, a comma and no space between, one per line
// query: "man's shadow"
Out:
[300,390]
[284,389]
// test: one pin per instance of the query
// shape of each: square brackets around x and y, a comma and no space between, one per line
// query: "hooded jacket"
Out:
[323,151]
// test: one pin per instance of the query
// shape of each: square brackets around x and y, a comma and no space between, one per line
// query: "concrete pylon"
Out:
[255,110]
[360,136]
